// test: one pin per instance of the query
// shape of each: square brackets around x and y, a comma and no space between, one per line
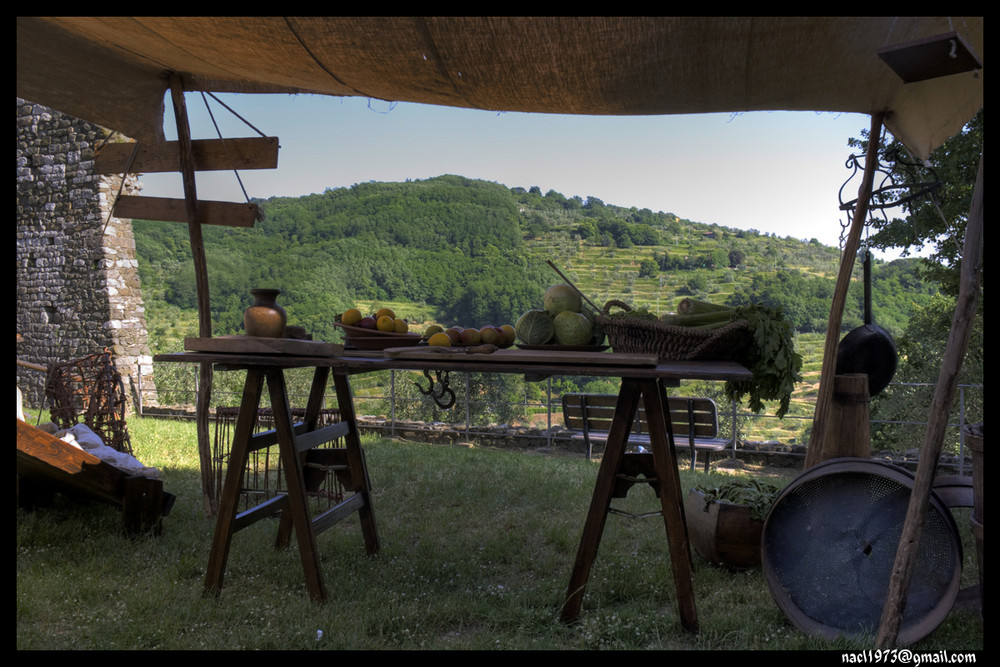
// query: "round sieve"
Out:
[829,544]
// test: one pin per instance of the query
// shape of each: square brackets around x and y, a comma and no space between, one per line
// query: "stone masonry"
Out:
[78,286]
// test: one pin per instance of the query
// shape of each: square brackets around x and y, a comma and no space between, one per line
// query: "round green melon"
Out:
[559,298]
[535,327]
[573,328]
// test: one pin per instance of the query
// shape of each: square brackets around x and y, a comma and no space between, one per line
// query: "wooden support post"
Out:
[817,439]
[201,285]
[944,396]
[848,432]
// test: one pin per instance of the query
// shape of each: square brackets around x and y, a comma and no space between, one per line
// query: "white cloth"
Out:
[83,437]
[20,409]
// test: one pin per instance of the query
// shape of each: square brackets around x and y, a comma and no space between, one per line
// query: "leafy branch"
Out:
[771,357]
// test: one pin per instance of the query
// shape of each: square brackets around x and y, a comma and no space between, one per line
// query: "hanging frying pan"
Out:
[869,348]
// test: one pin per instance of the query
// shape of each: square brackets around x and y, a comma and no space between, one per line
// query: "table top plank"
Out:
[517,356]
[558,364]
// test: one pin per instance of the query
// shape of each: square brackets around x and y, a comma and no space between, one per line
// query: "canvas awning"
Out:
[111,70]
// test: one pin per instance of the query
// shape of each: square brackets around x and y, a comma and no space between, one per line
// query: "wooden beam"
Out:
[43,456]
[828,372]
[944,396]
[191,205]
[203,400]
[207,155]
[227,214]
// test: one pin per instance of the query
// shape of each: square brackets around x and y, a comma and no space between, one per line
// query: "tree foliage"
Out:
[939,223]
[466,248]
[449,241]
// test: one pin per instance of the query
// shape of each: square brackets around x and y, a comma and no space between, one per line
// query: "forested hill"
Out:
[473,252]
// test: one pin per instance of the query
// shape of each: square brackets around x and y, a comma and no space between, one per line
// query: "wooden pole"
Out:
[817,440]
[944,396]
[201,286]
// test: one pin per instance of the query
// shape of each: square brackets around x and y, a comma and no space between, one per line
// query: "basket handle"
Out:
[615,302]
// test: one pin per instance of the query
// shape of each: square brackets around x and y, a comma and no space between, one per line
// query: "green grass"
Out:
[477,548]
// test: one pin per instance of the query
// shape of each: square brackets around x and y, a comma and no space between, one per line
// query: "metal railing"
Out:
[386,393]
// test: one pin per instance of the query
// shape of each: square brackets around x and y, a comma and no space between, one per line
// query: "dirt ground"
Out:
[765,472]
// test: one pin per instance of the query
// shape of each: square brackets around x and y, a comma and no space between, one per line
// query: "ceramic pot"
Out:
[265,318]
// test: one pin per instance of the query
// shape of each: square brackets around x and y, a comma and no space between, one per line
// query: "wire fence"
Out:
[396,402]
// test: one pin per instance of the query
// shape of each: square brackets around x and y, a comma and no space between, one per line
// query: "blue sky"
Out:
[776,172]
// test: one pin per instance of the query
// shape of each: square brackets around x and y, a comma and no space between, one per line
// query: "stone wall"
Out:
[77,276]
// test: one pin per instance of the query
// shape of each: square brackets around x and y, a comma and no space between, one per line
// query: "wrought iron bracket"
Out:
[443,390]
[890,187]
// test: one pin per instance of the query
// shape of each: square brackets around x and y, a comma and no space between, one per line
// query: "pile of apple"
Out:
[502,336]
[384,320]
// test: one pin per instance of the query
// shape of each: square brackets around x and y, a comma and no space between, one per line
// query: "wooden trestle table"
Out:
[642,379]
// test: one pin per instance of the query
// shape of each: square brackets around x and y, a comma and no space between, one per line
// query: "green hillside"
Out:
[453,250]
[461,251]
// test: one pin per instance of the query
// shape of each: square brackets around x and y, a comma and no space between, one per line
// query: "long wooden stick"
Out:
[33,366]
[944,396]
[817,439]
[203,400]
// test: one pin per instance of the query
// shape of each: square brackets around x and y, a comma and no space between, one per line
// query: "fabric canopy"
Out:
[112,70]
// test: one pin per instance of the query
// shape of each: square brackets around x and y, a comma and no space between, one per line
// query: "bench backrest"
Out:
[687,415]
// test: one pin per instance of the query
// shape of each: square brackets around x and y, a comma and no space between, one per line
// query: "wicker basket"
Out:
[670,342]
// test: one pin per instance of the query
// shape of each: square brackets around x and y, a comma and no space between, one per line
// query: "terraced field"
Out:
[604,274]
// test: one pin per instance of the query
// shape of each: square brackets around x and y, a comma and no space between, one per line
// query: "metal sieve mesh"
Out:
[829,545]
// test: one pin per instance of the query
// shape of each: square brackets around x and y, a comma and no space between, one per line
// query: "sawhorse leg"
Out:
[298,502]
[228,503]
[309,421]
[359,483]
[661,438]
[294,504]
[665,463]
[355,459]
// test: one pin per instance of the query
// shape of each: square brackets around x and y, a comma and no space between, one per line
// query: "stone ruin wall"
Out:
[78,286]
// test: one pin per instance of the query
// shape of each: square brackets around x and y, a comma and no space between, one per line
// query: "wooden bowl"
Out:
[373,339]
[382,342]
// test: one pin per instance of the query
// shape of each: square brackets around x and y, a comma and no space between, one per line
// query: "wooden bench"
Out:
[694,420]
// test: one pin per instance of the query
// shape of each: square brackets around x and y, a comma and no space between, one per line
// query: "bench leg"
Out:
[142,506]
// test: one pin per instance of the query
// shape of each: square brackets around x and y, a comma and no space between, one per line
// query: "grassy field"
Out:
[477,547]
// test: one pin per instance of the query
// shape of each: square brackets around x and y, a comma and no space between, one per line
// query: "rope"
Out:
[121,186]
[225,146]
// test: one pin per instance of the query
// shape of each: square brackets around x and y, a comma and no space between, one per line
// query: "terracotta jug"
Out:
[265,318]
